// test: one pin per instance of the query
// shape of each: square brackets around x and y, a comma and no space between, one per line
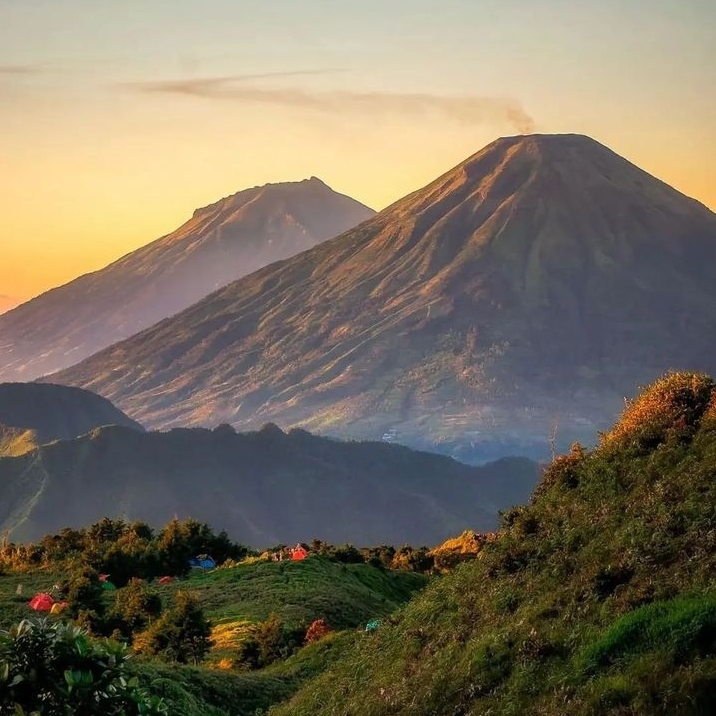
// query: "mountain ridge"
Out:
[265,487]
[32,414]
[540,269]
[219,243]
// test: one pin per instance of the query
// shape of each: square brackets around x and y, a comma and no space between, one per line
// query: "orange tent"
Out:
[41,602]
[57,607]
[299,553]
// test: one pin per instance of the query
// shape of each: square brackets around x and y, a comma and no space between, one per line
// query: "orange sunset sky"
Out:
[118,119]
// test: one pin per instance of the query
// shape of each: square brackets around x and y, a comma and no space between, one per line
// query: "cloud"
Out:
[469,109]
[18,70]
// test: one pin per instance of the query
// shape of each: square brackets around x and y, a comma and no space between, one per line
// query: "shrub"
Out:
[317,630]
[181,634]
[135,607]
[49,668]
[672,407]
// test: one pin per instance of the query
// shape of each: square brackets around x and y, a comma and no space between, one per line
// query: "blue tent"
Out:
[202,562]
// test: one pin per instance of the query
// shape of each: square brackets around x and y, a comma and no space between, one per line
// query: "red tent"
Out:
[298,553]
[166,580]
[41,602]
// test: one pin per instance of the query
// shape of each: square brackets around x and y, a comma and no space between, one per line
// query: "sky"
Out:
[118,119]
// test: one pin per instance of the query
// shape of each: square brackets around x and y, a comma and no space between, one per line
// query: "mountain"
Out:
[8,302]
[35,413]
[544,272]
[263,488]
[221,242]
[596,599]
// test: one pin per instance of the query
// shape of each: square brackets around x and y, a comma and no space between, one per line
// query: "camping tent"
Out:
[41,602]
[166,580]
[57,607]
[299,552]
[373,624]
[202,562]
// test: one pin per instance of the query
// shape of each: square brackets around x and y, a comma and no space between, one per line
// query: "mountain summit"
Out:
[474,310]
[220,243]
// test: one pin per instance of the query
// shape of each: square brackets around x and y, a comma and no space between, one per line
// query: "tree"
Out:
[83,592]
[50,668]
[181,634]
[135,607]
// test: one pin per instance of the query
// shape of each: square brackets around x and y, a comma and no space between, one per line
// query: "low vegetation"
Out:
[261,623]
[598,598]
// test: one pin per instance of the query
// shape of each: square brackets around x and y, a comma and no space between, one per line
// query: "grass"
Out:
[14,607]
[234,598]
[197,691]
[596,599]
[346,595]
[682,627]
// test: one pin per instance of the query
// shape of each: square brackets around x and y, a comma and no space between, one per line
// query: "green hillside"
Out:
[237,599]
[263,487]
[598,598]
[346,595]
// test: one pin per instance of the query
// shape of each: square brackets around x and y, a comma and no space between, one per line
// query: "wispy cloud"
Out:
[469,109]
[18,70]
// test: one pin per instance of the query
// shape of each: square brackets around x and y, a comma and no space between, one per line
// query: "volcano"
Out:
[544,272]
[220,243]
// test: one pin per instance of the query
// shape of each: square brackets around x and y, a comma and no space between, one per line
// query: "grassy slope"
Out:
[191,691]
[346,595]
[16,441]
[598,598]
[299,592]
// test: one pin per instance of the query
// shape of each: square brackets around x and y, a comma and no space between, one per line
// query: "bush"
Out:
[316,631]
[672,407]
[55,668]
[181,634]
[135,607]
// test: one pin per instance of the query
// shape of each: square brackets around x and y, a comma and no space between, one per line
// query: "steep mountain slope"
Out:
[8,302]
[474,310]
[220,243]
[36,413]
[597,599]
[263,488]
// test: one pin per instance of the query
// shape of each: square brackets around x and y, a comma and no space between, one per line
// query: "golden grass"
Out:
[677,401]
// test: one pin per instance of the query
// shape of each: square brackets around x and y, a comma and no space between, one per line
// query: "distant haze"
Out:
[221,242]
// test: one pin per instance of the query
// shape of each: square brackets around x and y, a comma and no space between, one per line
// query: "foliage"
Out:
[671,407]
[596,599]
[83,592]
[55,669]
[181,634]
[125,550]
[457,550]
[135,606]
[269,641]
[318,630]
